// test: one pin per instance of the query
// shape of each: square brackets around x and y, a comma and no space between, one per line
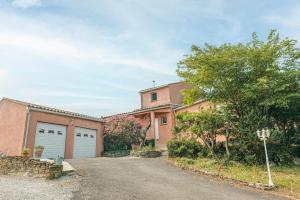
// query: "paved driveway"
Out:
[151,179]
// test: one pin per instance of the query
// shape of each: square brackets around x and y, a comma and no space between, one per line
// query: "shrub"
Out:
[39,148]
[150,142]
[121,132]
[25,152]
[186,148]
[255,154]
[116,143]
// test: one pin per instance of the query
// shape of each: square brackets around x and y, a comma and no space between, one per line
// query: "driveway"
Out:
[151,179]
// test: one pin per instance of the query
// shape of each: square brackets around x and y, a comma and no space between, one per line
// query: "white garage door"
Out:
[84,143]
[53,138]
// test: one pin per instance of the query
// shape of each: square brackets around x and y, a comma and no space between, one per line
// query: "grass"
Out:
[286,178]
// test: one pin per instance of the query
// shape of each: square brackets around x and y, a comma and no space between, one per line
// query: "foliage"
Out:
[186,148]
[203,125]
[286,178]
[258,85]
[121,132]
[39,148]
[25,152]
[150,142]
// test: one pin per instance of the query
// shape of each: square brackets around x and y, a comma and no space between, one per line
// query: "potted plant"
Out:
[25,152]
[38,151]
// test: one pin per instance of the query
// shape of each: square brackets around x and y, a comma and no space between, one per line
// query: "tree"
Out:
[258,82]
[204,125]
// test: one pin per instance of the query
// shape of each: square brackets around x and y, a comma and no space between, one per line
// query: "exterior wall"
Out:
[71,123]
[163,97]
[175,92]
[12,127]
[195,107]
[165,130]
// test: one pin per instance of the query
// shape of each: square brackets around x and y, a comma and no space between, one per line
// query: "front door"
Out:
[156,125]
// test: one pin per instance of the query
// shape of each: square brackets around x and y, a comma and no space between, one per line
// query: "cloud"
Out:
[287,21]
[98,54]
[104,50]
[26,3]
[76,95]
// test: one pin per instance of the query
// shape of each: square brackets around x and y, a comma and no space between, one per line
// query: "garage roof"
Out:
[54,110]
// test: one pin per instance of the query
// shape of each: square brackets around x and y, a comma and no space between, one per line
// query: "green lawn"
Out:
[287,178]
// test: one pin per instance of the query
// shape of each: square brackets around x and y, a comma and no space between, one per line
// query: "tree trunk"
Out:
[226,142]
[211,149]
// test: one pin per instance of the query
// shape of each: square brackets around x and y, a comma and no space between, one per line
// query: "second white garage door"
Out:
[84,143]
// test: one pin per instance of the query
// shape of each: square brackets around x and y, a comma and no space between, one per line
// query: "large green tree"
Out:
[257,82]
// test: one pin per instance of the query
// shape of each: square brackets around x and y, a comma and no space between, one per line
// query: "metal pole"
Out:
[271,184]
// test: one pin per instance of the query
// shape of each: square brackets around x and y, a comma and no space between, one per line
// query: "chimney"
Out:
[153,83]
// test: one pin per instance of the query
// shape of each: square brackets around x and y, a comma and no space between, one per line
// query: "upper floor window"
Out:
[154,96]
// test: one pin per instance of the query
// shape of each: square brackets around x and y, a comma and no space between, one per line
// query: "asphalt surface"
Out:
[152,179]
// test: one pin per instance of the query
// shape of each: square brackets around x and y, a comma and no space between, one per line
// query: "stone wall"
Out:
[25,166]
[146,154]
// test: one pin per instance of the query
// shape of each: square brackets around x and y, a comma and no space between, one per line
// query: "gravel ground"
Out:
[26,188]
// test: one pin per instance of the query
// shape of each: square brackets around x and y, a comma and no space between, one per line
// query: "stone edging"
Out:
[146,154]
[24,166]
[231,180]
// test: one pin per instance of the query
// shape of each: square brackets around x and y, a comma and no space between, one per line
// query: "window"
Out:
[154,96]
[85,135]
[59,133]
[78,134]
[42,131]
[51,131]
[164,120]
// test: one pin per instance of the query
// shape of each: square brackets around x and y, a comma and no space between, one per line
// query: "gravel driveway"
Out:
[26,188]
[152,179]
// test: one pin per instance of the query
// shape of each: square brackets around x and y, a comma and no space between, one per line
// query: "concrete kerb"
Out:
[67,167]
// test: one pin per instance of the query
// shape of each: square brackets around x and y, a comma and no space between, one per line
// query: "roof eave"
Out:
[155,108]
[65,114]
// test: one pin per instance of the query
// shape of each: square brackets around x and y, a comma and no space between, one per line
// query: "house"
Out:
[159,106]
[62,133]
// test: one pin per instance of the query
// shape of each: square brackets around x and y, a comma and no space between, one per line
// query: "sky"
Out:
[93,56]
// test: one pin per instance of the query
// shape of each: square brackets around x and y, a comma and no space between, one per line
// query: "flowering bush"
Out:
[121,132]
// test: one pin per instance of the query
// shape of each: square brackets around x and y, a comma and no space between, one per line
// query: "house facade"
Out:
[62,133]
[159,106]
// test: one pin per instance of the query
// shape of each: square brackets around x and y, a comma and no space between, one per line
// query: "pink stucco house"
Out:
[159,106]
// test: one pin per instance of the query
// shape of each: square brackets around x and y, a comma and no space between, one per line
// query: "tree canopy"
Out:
[256,82]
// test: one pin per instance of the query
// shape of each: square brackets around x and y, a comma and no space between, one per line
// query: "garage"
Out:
[52,137]
[84,143]
[60,132]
